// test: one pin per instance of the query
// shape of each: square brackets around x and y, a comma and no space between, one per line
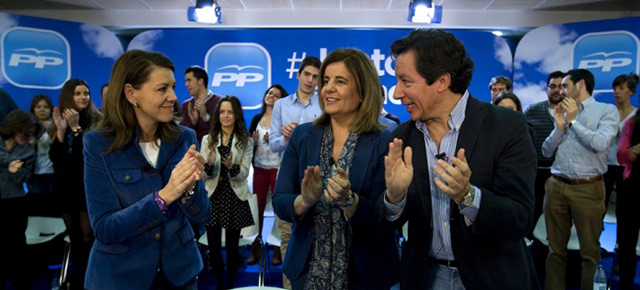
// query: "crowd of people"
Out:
[140,180]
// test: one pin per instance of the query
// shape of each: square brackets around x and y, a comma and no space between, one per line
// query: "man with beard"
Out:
[540,116]
[575,191]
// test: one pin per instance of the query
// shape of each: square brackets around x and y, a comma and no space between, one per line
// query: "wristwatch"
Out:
[467,200]
[572,122]
[206,117]
[349,201]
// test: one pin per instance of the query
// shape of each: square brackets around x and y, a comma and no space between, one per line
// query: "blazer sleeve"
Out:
[245,160]
[289,180]
[507,202]
[111,222]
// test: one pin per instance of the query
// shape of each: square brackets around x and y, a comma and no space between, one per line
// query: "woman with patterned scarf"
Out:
[331,175]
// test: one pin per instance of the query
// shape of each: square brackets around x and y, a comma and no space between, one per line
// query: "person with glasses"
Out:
[540,116]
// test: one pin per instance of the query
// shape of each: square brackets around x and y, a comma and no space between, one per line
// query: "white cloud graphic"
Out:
[102,41]
[6,21]
[503,53]
[547,48]
[530,93]
[145,40]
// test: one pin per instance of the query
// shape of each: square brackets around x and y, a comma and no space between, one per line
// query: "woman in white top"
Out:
[228,151]
[265,162]
[41,181]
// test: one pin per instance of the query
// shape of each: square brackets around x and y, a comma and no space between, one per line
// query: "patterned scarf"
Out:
[332,232]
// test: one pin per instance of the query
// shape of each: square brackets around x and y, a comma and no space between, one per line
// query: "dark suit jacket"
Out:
[491,253]
[373,253]
[133,238]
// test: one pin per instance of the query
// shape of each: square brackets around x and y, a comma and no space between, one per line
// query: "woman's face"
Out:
[227,117]
[509,104]
[42,111]
[81,97]
[156,97]
[339,92]
[622,93]
[272,96]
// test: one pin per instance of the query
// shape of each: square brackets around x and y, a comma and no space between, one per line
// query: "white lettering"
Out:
[239,78]
[39,61]
[605,64]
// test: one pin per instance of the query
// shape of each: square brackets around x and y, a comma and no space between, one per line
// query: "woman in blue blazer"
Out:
[143,179]
[332,172]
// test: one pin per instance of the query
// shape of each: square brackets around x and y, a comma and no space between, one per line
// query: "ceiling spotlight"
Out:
[205,11]
[423,11]
[497,33]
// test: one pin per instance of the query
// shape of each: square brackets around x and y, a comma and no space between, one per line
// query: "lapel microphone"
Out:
[442,156]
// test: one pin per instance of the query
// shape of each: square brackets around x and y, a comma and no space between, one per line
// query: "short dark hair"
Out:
[437,53]
[22,122]
[630,79]
[555,75]
[582,74]
[501,80]
[310,60]
[198,73]
[510,96]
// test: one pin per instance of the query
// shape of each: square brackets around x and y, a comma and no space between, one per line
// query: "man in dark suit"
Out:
[465,183]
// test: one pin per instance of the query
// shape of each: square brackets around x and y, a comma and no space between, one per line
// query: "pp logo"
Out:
[240,69]
[35,58]
[607,55]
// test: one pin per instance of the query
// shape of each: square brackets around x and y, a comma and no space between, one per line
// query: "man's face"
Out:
[308,79]
[569,89]
[554,87]
[192,84]
[412,89]
[496,89]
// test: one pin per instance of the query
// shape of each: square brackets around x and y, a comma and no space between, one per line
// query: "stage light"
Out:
[497,33]
[206,11]
[423,11]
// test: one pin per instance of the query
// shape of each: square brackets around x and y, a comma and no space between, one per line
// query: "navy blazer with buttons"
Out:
[491,252]
[373,253]
[133,237]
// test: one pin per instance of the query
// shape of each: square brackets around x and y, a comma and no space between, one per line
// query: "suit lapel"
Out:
[420,166]
[470,129]
[314,143]
[363,154]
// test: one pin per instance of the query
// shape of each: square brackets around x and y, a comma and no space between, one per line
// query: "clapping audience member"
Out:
[41,182]
[228,151]
[16,164]
[265,162]
[624,87]
[74,116]
[144,183]
[331,175]
[627,197]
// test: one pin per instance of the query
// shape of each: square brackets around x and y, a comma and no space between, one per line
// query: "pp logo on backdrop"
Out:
[35,58]
[240,69]
[607,55]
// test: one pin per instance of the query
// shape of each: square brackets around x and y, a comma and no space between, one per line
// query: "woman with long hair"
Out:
[228,151]
[265,161]
[144,183]
[74,116]
[41,182]
[331,176]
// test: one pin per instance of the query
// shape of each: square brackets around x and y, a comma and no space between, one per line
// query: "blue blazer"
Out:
[133,238]
[373,252]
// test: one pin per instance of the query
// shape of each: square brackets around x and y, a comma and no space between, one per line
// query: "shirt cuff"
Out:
[471,212]
[392,211]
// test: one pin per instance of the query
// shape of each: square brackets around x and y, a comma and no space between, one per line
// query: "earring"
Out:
[135,104]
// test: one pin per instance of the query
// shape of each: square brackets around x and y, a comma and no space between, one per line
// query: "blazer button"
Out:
[127,177]
[156,236]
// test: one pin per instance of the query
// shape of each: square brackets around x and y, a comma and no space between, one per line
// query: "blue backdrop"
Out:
[39,55]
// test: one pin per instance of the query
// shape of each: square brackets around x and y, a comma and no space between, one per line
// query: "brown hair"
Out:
[367,85]
[132,67]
